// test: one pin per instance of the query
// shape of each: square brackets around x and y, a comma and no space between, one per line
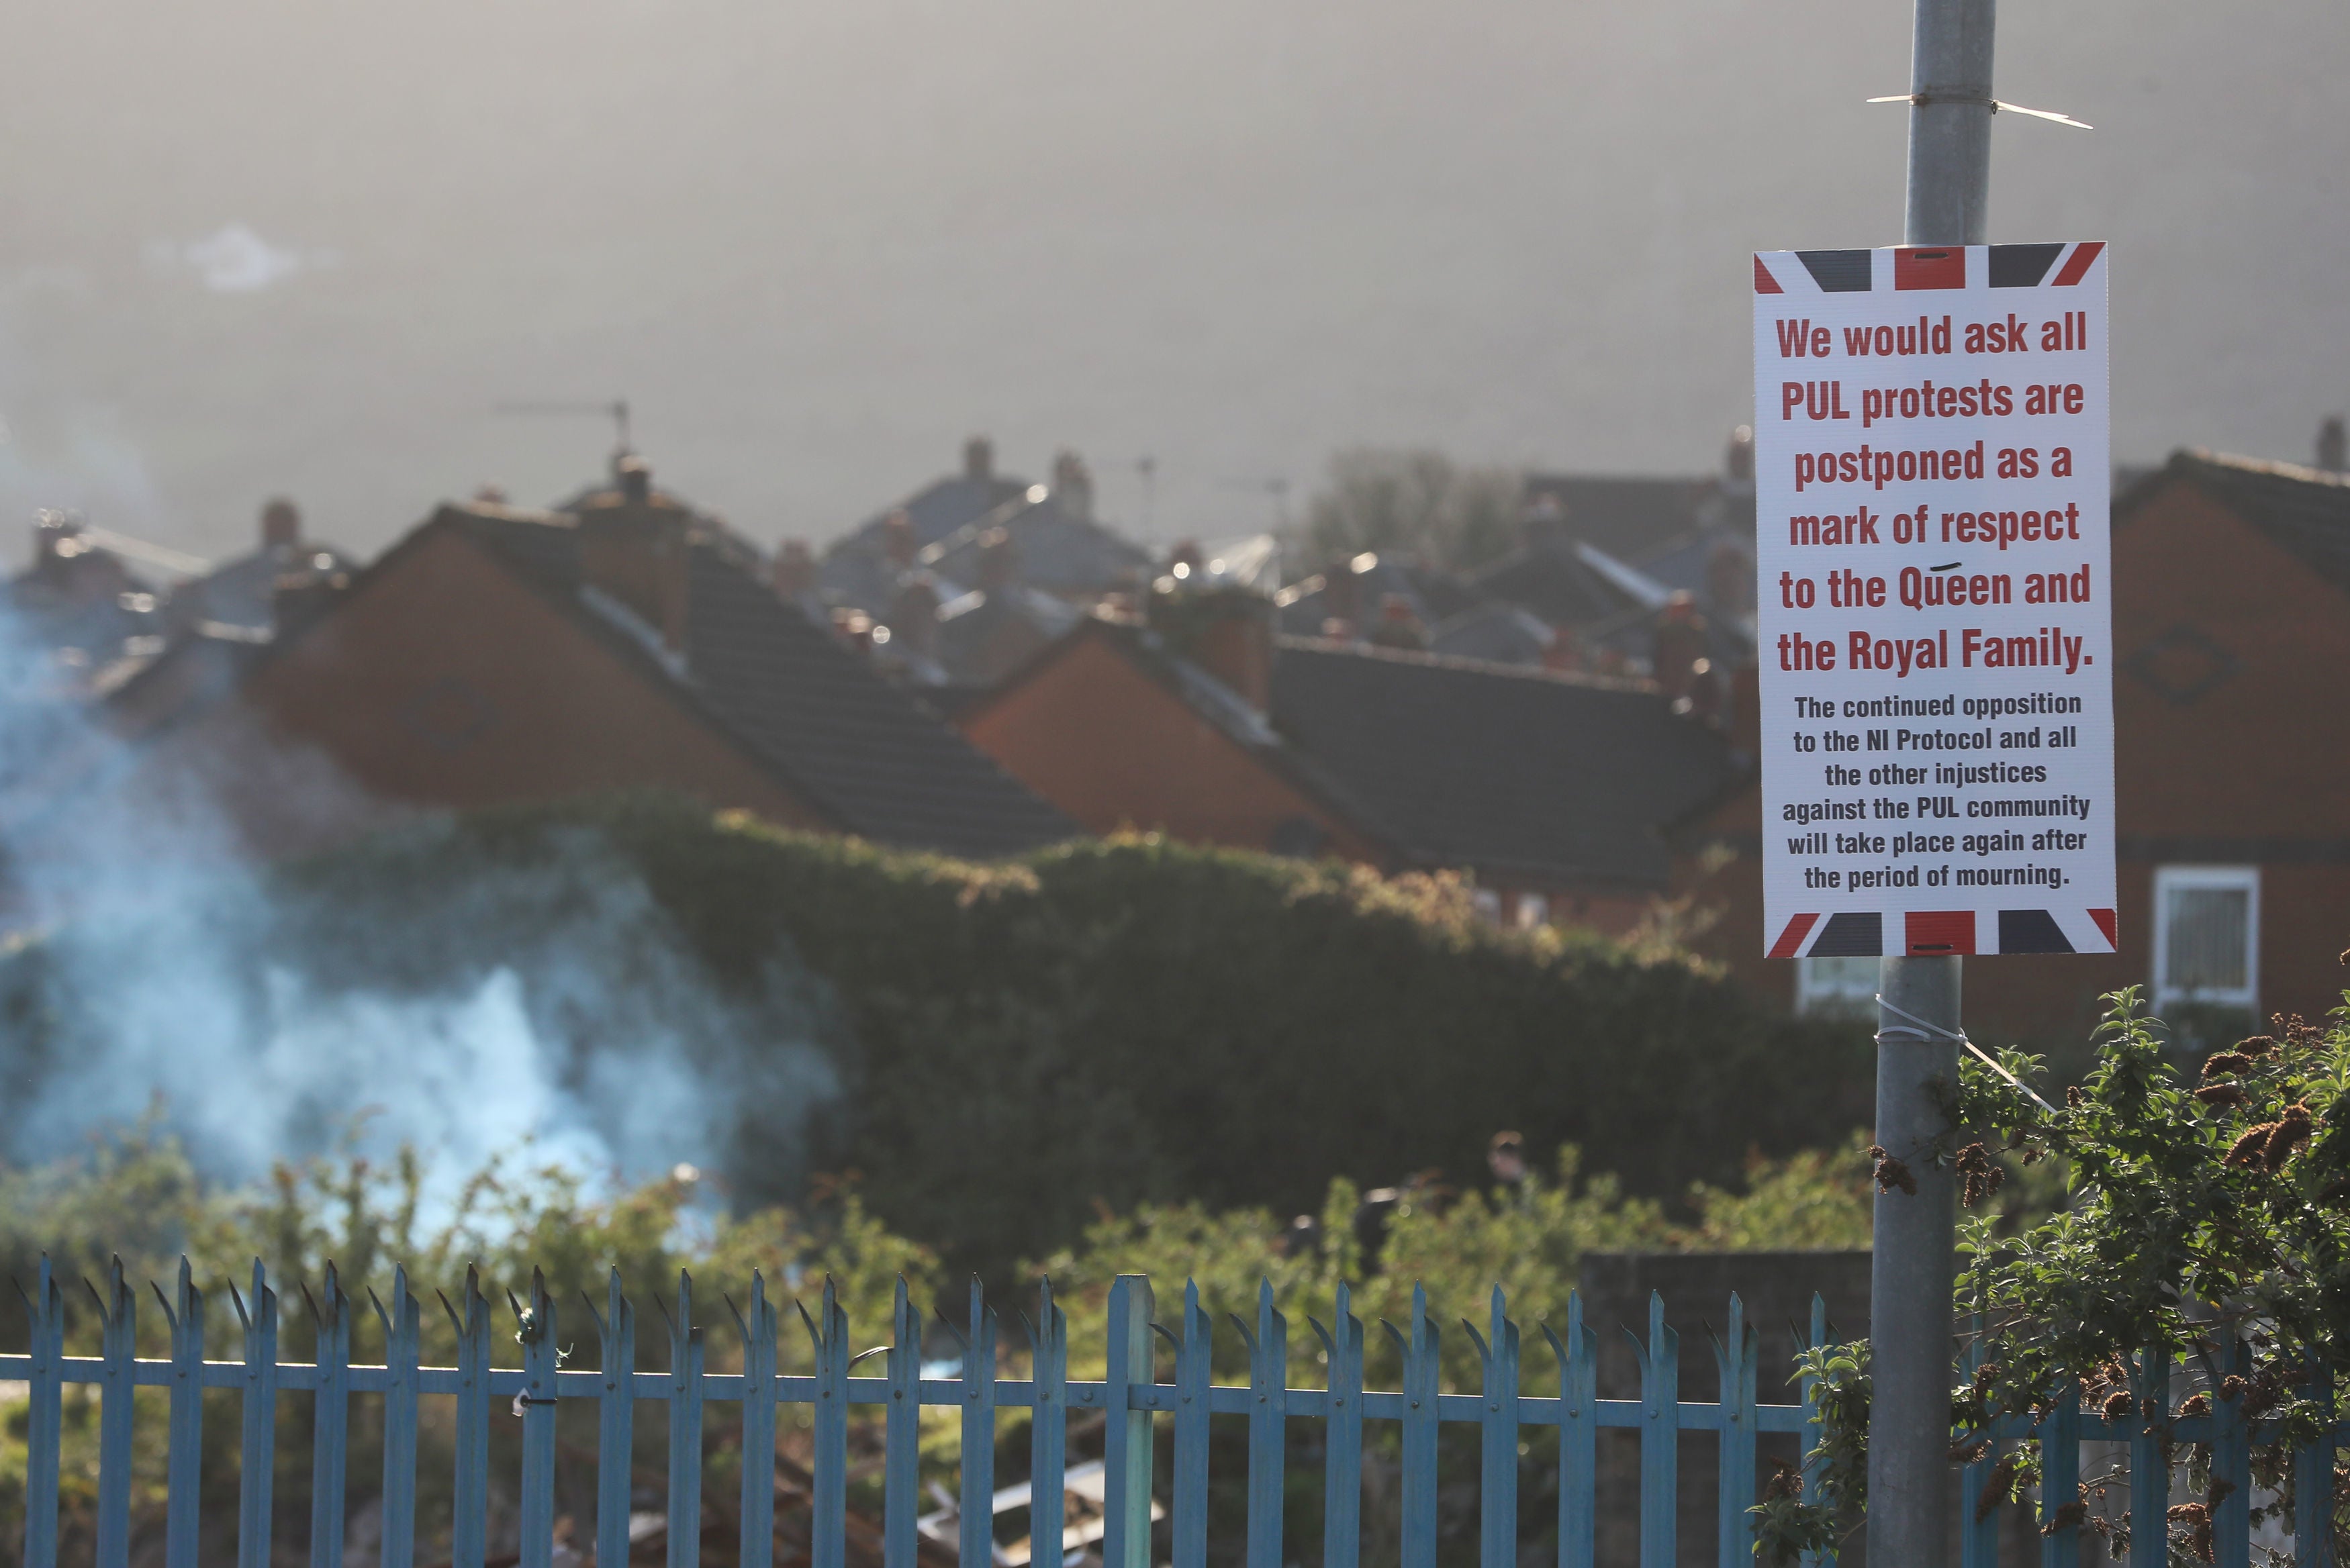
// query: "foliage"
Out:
[1814,1198]
[1417,501]
[1788,1525]
[2207,1218]
[1139,1021]
[137,1196]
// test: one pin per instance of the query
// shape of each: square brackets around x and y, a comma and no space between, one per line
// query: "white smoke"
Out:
[547,998]
[234,259]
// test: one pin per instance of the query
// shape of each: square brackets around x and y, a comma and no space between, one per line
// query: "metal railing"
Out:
[1129,1398]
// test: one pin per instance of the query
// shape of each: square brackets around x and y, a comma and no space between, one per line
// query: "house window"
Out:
[1533,910]
[2207,936]
[1843,986]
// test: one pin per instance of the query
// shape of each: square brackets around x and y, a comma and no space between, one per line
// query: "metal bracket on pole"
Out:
[1993,104]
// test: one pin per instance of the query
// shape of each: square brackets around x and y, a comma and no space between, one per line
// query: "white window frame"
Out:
[2173,879]
[1813,995]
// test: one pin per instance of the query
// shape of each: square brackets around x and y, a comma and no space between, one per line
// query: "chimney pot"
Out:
[281,523]
[2332,445]
[636,476]
[979,459]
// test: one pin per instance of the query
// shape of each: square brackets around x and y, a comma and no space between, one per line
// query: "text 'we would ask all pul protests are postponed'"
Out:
[1932,486]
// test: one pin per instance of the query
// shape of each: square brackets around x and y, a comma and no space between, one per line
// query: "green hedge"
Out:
[1021,1047]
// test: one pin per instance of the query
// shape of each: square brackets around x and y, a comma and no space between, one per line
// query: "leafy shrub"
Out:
[2206,1220]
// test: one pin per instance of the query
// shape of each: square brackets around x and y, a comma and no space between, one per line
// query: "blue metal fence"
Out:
[1130,1395]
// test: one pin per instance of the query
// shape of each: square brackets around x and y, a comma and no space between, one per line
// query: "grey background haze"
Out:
[276,245]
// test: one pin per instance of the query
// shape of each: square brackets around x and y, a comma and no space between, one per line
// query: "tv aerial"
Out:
[616,410]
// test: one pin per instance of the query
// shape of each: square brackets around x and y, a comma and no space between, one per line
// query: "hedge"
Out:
[1015,1049]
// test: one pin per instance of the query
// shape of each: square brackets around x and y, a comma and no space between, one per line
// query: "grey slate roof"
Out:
[1494,633]
[869,755]
[1054,549]
[1504,769]
[239,592]
[1433,593]
[1548,579]
[2305,510]
[857,570]
[1630,516]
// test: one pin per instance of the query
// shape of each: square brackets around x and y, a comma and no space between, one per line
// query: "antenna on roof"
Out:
[617,410]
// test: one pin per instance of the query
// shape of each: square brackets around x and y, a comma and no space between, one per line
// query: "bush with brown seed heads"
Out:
[2222,1095]
[2251,1147]
[2065,1518]
[1982,1175]
[1891,1173]
[2194,1404]
[2192,1522]
[2291,1130]
[1994,1486]
[2219,1063]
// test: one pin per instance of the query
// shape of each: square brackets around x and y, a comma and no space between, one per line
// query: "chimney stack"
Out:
[636,477]
[1737,460]
[1680,661]
[281,525]
[979,459]
[1073,487]
[639,552]
[1230,638]
[299,599]
[898,539]
[56,535]
[998,563]
[1342,597]
[2332,445]
[794,572]
[914,618]
[1400,626]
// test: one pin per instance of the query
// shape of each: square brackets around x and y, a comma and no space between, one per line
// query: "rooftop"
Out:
[869,754]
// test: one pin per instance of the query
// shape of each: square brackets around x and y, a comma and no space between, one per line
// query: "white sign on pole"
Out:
[1931,485]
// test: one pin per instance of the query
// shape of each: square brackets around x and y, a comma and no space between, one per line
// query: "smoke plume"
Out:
[548,999]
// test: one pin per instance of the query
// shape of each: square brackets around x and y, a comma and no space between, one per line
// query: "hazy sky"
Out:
[255,247]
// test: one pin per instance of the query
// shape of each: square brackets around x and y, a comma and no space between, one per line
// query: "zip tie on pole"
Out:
[1994,104]
[1926,1031]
